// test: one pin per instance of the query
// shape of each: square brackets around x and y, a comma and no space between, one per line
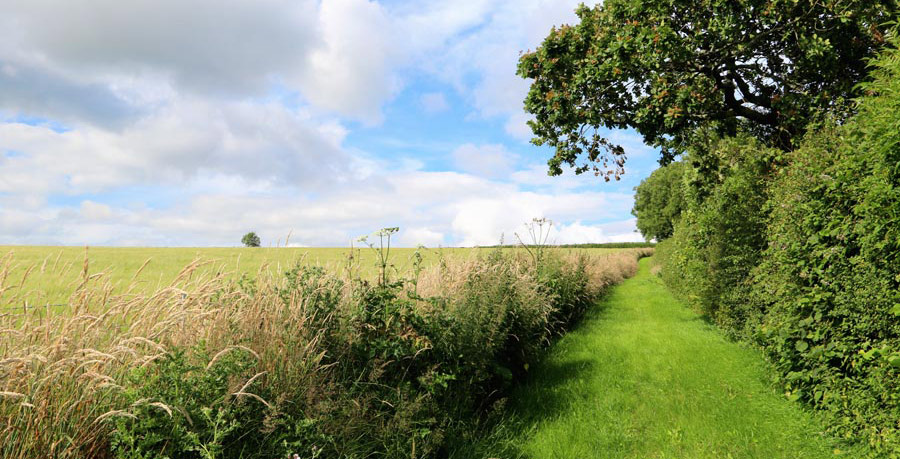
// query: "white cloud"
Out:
[261,142]
[481,60]
[102,60]
[202,45]
[484,220]
[350,72]
[517,126]
[416,236]
[91,210]
[432,208]
[576,232]
[492,160]
[205,121]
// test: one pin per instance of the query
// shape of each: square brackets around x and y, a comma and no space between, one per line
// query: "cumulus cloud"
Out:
[202,44]
[165,122]
[96,60]
[618,231]
[91,210]
[517,125]
[417,236]
[490,160]
[262,142]
[484,219]
[28,90]
[480,60]
[432,208]
[350,69]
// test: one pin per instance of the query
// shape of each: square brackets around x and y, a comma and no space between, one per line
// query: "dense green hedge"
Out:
[799,253]
[721,233]
[831,278]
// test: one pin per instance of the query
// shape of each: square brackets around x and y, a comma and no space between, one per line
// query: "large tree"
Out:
[668,67]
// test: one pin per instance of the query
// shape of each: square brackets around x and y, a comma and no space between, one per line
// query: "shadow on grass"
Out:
[500,432]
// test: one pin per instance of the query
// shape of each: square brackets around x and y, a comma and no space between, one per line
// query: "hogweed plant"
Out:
[382,250]
[538,232]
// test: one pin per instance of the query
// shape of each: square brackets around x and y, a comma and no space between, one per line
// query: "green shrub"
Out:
[831,275]
[192,406]
[800,253]
[659,201]
[305,362]
[721,233]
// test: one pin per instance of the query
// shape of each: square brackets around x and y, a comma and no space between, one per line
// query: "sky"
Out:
[190,123]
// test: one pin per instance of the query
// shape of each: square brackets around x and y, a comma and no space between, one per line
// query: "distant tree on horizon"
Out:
[250,240]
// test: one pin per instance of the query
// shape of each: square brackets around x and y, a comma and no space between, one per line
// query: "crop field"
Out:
[43,275]
[48,275]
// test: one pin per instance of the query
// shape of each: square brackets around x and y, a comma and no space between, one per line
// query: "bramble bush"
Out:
[831,278]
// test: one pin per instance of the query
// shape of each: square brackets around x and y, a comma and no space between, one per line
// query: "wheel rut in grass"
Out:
[645,377]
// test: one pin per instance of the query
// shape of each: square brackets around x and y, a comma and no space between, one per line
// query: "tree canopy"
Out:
[659,200]
[667,67]
[250,240]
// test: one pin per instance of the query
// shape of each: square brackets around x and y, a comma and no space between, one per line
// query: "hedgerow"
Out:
[831,281]
[801,258]
[721,233]
[309,363]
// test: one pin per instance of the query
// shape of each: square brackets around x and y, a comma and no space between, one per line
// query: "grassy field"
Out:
[644,377]
[37,275]
[51,273]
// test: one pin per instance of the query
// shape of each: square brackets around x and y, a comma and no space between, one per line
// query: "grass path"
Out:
[643,377]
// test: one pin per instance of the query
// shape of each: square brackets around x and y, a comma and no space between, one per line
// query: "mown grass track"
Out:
[644,377]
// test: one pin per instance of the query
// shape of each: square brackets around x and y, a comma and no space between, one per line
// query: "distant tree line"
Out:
[593,245]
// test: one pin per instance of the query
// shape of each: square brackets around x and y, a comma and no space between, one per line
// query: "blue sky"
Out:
[322,120]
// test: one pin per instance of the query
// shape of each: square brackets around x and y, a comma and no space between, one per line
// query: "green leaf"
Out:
[801,345]
[894,360]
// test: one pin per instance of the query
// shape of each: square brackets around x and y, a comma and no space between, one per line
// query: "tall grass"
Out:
[309,362]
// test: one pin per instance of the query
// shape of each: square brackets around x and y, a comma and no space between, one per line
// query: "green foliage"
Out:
[670,68]
[375,369]
[642,377]
[189,406]
[721,234]
[250,240]
[659,201]
[812,275]
[831,278]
